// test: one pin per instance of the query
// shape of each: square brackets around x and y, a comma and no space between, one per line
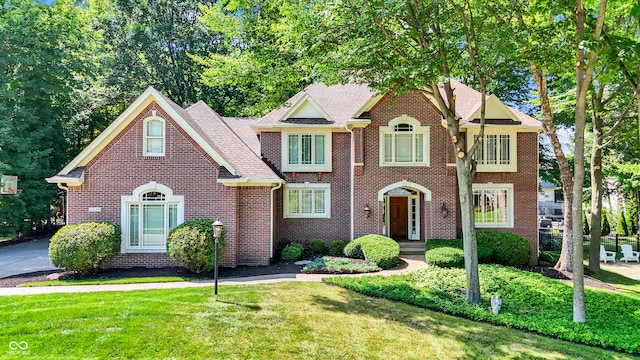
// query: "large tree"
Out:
[43,55]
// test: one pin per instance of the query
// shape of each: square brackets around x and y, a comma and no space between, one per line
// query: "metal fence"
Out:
[552,240]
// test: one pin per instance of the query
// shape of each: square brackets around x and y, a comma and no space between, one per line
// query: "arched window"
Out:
[404,143]
[149,214]
[154,135]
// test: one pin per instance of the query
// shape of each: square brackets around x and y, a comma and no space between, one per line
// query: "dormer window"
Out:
[154,136]
[404,143]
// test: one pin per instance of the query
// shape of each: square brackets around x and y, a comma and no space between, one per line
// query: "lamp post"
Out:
[217,232]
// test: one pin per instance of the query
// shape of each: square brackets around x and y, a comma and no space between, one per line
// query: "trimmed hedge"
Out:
[493,247]
[192,243]
[449,253]
[318,247]
[336,247]
[292,252]
[379,249]
[83,247]
[509,249]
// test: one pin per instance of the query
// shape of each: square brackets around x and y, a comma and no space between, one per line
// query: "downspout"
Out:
[273,218]
[66,202]
[352,155]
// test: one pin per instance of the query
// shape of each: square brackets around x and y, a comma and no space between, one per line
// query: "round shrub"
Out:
[83,247]
[509,249]
[434,253]
[336,247]
[318,247]
[446,257]
[378,249]
[292,252]
[193,244]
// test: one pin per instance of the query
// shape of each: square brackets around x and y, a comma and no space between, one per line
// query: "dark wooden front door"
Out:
[399,217]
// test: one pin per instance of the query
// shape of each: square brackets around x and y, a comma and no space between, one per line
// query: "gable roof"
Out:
[242,128]
[348,102]
[336,103]
[234,159]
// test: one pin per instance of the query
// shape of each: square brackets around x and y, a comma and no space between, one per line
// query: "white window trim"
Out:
[308,186]
[326,167]
[145,137]
[136,198]
[510,203]
[513,148]
[417,129]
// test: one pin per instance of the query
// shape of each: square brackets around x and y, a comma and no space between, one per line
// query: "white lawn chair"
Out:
[607,255]
[628,254]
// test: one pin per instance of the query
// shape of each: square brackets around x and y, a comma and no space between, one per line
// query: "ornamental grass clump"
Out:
[378,249]
[192,243]
[83,247]
[292,252]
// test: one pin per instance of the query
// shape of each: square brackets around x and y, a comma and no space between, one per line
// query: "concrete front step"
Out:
[411,247]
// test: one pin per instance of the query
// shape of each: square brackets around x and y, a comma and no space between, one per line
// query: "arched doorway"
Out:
[402,209]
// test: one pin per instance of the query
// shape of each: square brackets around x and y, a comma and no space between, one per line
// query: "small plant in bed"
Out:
[340,265]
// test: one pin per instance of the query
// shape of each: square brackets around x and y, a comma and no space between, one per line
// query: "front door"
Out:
[399,217]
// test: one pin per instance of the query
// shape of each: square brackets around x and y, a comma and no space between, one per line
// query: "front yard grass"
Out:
[275,321]
[529,301]
[131,280]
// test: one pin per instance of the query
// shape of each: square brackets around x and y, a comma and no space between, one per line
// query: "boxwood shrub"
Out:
[336,247]
[449,253]
[376,248]
[508,249]
[83,247]
[318,247]
[292,252]
[192,243]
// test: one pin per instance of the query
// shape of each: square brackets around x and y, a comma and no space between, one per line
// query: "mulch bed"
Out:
[240,271]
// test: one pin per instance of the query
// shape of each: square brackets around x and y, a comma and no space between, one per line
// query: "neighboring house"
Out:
[550,203]
[333,163]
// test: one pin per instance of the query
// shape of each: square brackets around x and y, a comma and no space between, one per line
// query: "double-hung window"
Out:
[154,136]
[493,205]
[496,152]
[306,152]
[307,201]
[404,143]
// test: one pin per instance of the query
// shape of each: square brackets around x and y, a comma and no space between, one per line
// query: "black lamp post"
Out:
[217,232]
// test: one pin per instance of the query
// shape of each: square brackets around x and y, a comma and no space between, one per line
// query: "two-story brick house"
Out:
[333,163]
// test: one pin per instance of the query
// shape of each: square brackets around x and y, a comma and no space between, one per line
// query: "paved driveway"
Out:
[25,258]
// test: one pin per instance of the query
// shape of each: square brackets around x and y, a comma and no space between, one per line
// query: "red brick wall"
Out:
[441,182]
[525,190]
[254,236]
[185,168]
[305,230]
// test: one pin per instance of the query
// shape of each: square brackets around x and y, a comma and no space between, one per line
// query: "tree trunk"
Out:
[469,242]
[540,78]
[596,193]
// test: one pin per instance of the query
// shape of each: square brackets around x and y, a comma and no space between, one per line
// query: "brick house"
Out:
[332,163]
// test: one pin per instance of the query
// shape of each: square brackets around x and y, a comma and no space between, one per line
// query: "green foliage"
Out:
[509,249]
[336,247]
[621,227]
[606,228]
[318,247]
[376,248]
[193,244]
[292,252]
[83,247]
[339,265]
[586,229]
[449,253]
[529,301]
[45,55]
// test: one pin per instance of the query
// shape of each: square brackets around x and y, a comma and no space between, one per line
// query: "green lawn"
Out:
[276,321]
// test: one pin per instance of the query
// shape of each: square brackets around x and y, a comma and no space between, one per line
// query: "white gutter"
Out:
[273,219]
[352,160]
